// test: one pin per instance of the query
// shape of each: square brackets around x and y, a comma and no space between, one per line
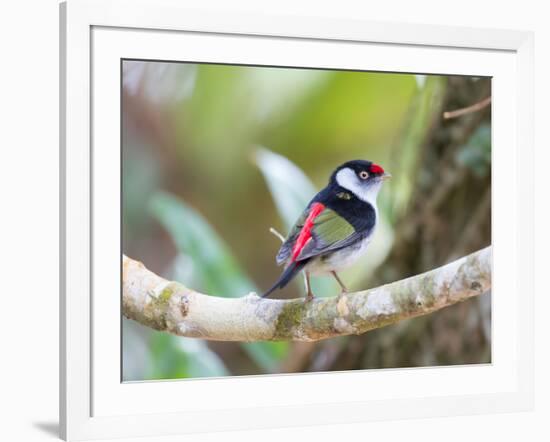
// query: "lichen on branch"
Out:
[171,307]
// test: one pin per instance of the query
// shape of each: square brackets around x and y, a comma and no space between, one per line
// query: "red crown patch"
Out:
[375,168]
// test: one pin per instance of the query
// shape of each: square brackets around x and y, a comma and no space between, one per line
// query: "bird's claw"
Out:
[342,294]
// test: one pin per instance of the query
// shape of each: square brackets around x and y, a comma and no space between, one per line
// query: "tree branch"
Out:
[171,307]
[468,110]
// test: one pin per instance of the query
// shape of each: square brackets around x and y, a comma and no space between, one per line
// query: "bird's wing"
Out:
[329,232]
[319,230]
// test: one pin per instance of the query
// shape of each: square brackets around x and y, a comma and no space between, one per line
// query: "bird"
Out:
[335,228]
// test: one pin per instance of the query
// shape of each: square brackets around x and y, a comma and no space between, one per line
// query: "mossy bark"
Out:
[171,307]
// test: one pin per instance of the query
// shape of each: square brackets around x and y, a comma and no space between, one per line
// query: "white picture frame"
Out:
[94,404]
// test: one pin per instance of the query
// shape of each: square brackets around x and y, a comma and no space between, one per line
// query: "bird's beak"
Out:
[386,176]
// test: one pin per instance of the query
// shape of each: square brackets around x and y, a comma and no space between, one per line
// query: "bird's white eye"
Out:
[363,174]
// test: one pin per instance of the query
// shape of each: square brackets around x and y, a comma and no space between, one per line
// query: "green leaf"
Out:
[213,264]
[290,188]
[166,361]
[215,267]
[178,358]
[201,360]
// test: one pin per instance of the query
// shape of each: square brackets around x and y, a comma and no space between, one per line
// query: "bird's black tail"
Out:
[289,273]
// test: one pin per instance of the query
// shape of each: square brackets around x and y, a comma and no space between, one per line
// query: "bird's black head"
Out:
[361,177]
[364,170]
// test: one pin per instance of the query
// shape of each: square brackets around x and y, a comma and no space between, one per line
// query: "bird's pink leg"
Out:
[344,289]
[309,294]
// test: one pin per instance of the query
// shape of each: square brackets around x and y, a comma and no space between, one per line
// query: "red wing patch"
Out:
[305,233]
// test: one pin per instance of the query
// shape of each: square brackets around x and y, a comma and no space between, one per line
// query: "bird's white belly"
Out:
[338,260]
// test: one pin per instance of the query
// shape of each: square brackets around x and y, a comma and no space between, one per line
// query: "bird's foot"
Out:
[343,293]
[309,297]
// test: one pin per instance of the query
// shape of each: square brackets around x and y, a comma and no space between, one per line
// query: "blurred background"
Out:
[215,155]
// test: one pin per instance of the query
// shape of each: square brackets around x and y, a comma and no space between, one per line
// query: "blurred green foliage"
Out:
[476,153]
[215,269]
[183,358]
